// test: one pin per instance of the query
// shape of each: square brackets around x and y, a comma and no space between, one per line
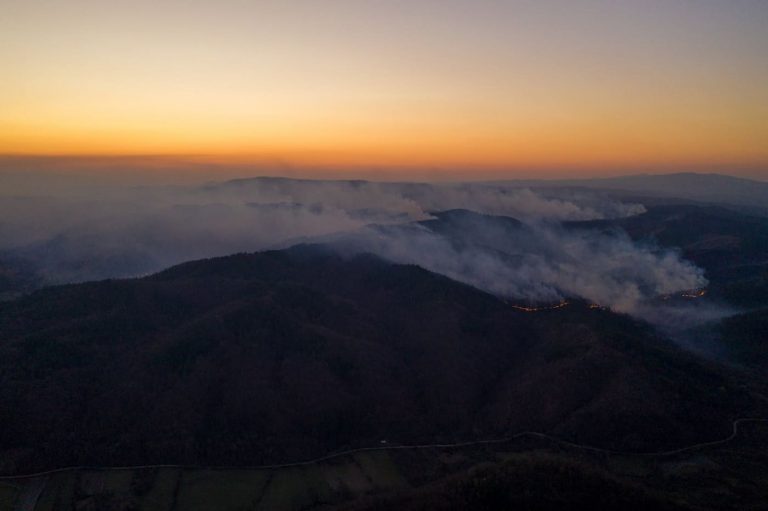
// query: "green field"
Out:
[211,490]
[171,489]
[8,494]
[736,475]
[161,493]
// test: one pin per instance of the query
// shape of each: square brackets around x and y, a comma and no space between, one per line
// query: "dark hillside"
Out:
[286,355]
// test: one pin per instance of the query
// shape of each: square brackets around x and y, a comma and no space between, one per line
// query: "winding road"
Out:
[531,434]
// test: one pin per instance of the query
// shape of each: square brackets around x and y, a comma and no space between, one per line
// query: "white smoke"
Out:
[523,203]
[543,264]
[161,226]
[81,235]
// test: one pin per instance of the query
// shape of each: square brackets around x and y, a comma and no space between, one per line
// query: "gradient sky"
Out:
[591,86]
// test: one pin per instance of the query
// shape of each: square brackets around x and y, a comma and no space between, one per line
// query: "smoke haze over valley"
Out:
[508,240]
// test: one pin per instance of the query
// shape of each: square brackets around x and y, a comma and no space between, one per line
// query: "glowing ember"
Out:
[691,293]
[541,308]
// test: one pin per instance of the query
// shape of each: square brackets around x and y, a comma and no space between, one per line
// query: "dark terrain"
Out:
[273,357]
[290,355]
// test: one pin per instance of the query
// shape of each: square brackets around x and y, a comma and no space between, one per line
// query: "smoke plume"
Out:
[512,242]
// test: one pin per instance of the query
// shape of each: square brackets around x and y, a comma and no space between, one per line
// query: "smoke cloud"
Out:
[509,241]
[542,263]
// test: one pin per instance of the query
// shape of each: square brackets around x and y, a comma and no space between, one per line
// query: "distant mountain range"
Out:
[715,188]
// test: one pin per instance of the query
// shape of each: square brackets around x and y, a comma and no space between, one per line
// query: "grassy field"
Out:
[211,490]
[8,495]
[727,477]
[58,492]
[171,489]
[159,490]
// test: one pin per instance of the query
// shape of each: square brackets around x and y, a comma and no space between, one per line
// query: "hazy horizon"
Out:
[185,169]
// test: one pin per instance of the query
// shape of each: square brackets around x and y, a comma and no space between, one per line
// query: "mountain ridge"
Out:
[285,354]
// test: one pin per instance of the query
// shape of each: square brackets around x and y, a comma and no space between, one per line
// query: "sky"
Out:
[466,88]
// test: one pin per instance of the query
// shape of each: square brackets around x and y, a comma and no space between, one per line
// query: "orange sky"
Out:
[555,86]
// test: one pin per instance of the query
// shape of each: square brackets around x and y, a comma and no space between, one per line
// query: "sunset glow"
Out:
[607,86]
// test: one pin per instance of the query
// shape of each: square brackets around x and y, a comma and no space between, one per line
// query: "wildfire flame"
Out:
[691,293]
[541,308]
